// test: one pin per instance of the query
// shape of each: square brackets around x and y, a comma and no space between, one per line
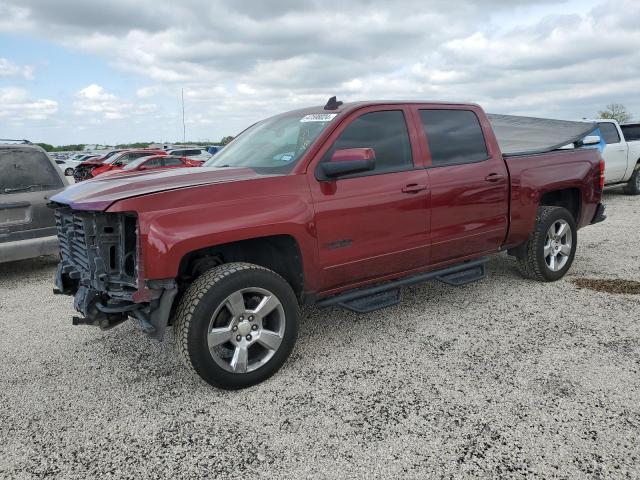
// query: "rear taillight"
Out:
[601,184]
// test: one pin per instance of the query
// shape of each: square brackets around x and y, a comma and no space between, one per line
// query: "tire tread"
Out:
[631,187]
[528,264]
[192,297]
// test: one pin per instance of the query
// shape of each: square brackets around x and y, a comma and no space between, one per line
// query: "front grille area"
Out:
[98,250]
[73,244]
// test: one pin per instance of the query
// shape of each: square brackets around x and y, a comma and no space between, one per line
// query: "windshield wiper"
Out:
[25,187]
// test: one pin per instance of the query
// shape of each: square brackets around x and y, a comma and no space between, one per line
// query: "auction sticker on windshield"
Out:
[319,117]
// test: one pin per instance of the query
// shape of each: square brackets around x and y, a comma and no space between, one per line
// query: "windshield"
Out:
[273,145]
[111,154]
[120,158]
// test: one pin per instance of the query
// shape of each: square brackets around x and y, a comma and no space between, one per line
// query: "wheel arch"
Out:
[569,198]
[280,253]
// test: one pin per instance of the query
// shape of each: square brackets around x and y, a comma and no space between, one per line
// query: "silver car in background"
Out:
[28,177]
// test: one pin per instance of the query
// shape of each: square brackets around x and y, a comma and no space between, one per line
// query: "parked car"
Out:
[113,162]
[199,154]
[28,176]
[621,156]
[83,170]
[340,205]
[153,162]
[67,166]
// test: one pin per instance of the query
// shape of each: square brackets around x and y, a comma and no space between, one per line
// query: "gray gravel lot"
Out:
[502,378]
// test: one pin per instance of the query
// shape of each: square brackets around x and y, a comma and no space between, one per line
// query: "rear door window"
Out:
[454,136]
[172,162]
[153,163]
[631,132]
[609,132]
[386,133]
[23,170]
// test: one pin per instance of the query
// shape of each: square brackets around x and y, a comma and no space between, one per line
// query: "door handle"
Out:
[494,177]
[414,188]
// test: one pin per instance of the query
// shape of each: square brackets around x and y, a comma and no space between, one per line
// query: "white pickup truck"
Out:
[621,155]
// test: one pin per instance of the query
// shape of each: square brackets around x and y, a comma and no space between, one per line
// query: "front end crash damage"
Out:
[100,266]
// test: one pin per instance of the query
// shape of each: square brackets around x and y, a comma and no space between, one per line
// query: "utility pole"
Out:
[184,126]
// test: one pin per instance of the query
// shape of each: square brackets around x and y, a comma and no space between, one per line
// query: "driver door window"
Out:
[123,160]
[386,133]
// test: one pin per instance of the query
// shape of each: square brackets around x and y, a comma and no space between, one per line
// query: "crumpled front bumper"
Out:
[99,309]
[99,266]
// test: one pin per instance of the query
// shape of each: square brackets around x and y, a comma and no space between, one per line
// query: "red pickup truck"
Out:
[335,205]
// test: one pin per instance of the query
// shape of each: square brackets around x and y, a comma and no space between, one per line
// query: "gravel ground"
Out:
[502,378]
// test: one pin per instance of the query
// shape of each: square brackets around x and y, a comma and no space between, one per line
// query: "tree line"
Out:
[80,146]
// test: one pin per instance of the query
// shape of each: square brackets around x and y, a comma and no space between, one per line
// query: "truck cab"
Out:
[621,156]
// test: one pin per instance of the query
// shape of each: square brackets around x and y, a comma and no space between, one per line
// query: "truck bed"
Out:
[532,176]
[529,135]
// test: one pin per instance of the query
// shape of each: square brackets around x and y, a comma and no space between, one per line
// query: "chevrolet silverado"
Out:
[336,205]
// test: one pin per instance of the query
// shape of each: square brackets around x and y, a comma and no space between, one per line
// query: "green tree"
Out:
[61,148]
[616,111]
[134,145]
[46,147]
[226,140]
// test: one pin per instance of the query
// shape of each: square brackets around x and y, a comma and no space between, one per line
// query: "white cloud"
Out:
[149,91]
[94,100]
[10,69]
[555,58]
[18,106]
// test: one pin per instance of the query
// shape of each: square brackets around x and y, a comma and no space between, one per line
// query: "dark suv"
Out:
[28,177]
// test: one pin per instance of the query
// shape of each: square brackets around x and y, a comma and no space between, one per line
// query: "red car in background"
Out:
[155,162]
[122,159]
[83,170]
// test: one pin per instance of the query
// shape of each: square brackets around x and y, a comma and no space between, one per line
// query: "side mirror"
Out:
[350,160]
[591,140]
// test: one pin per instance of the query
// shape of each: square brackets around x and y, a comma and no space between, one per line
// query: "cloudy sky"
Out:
[112,71]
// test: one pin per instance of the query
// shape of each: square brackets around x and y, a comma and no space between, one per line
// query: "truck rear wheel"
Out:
[236,325]
[632,187]
[549,252]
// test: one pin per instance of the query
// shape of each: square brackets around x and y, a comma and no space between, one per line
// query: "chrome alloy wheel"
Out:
[558,244]
[246,330]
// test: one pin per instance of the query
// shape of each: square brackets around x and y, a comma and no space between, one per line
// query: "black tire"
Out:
[68,172]
[632,187]
[206,296]
[532,263]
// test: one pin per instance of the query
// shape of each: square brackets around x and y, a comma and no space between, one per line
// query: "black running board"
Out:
[369,299]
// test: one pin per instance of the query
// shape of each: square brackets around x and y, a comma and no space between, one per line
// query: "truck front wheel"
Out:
[236,325]
[549,252]
[633,185]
